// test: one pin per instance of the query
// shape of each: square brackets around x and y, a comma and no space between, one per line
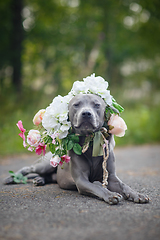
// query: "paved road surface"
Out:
[48,212]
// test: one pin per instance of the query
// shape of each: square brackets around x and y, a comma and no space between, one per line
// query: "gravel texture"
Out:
[48,212]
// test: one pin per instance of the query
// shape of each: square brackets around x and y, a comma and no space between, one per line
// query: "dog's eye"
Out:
[97,105]
[76,104]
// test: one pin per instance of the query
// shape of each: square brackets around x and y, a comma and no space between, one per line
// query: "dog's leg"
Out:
[80,174]
[42,168]
[64,178]
[24,171]
[116,185]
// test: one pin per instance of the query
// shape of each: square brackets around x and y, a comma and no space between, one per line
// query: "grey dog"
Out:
[84,172]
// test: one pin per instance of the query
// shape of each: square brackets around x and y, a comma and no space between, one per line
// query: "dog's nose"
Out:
[86,114]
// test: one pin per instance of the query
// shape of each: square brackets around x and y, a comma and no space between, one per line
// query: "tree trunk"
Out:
[16,44]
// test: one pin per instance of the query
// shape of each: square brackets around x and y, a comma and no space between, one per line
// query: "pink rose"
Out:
[117,125]
[33,138]
[55,161]
[38,117]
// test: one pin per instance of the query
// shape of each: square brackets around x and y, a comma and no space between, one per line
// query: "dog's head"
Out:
[86,113]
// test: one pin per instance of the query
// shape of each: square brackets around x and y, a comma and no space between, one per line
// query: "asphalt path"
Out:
[48,212]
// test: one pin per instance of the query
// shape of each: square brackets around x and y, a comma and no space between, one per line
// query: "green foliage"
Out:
[18,178]
[73,144]
[77,149]
[52,148]
[143,126]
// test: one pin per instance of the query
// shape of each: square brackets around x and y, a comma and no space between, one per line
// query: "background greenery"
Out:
[47,45]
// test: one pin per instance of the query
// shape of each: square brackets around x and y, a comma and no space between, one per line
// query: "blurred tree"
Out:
[5,28]
[16,41]
[11,42]
[69,39]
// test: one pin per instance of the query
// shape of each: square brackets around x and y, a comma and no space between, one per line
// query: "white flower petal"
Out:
[63,134]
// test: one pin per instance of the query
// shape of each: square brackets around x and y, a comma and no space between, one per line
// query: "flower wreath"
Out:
[53,128]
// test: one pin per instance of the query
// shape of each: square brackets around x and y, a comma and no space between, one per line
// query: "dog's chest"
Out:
[95,166]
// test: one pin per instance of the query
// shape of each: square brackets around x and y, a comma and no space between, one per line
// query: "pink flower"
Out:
[33,138]
[117,125]
[22,135]
[30,149]
[38,117]
[41,147]
[65,158]
[53,136]
[55,161]
[59,160]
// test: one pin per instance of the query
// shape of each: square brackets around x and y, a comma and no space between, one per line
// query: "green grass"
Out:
[142,121]
[143,126]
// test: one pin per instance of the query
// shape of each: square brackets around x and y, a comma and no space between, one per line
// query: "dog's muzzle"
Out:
[86,115]
[86,122]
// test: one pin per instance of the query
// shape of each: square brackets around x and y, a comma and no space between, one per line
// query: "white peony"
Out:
[59,107]
[56,115]
[49,122]
[63,134]
[68,97]
[65,127]
[95,84]
[79,87]
[106,96]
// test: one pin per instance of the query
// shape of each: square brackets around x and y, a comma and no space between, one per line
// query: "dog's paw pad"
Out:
[113,201]
[141,199]
[136,197]
[38,181]
[113,198]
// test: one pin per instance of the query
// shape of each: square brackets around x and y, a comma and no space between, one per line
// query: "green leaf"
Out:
[58,152]
[16,180]
[52,147]
[24,180]
[118,107]
[65,141]
[64,152]
[19,176]
[111,111]
[12,173]
[64,145]
[77,149]
[47,139]
[75,138]
[70,145]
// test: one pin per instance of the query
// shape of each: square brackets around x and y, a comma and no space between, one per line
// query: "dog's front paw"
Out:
[134,196]
[39,181]
[112,198]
